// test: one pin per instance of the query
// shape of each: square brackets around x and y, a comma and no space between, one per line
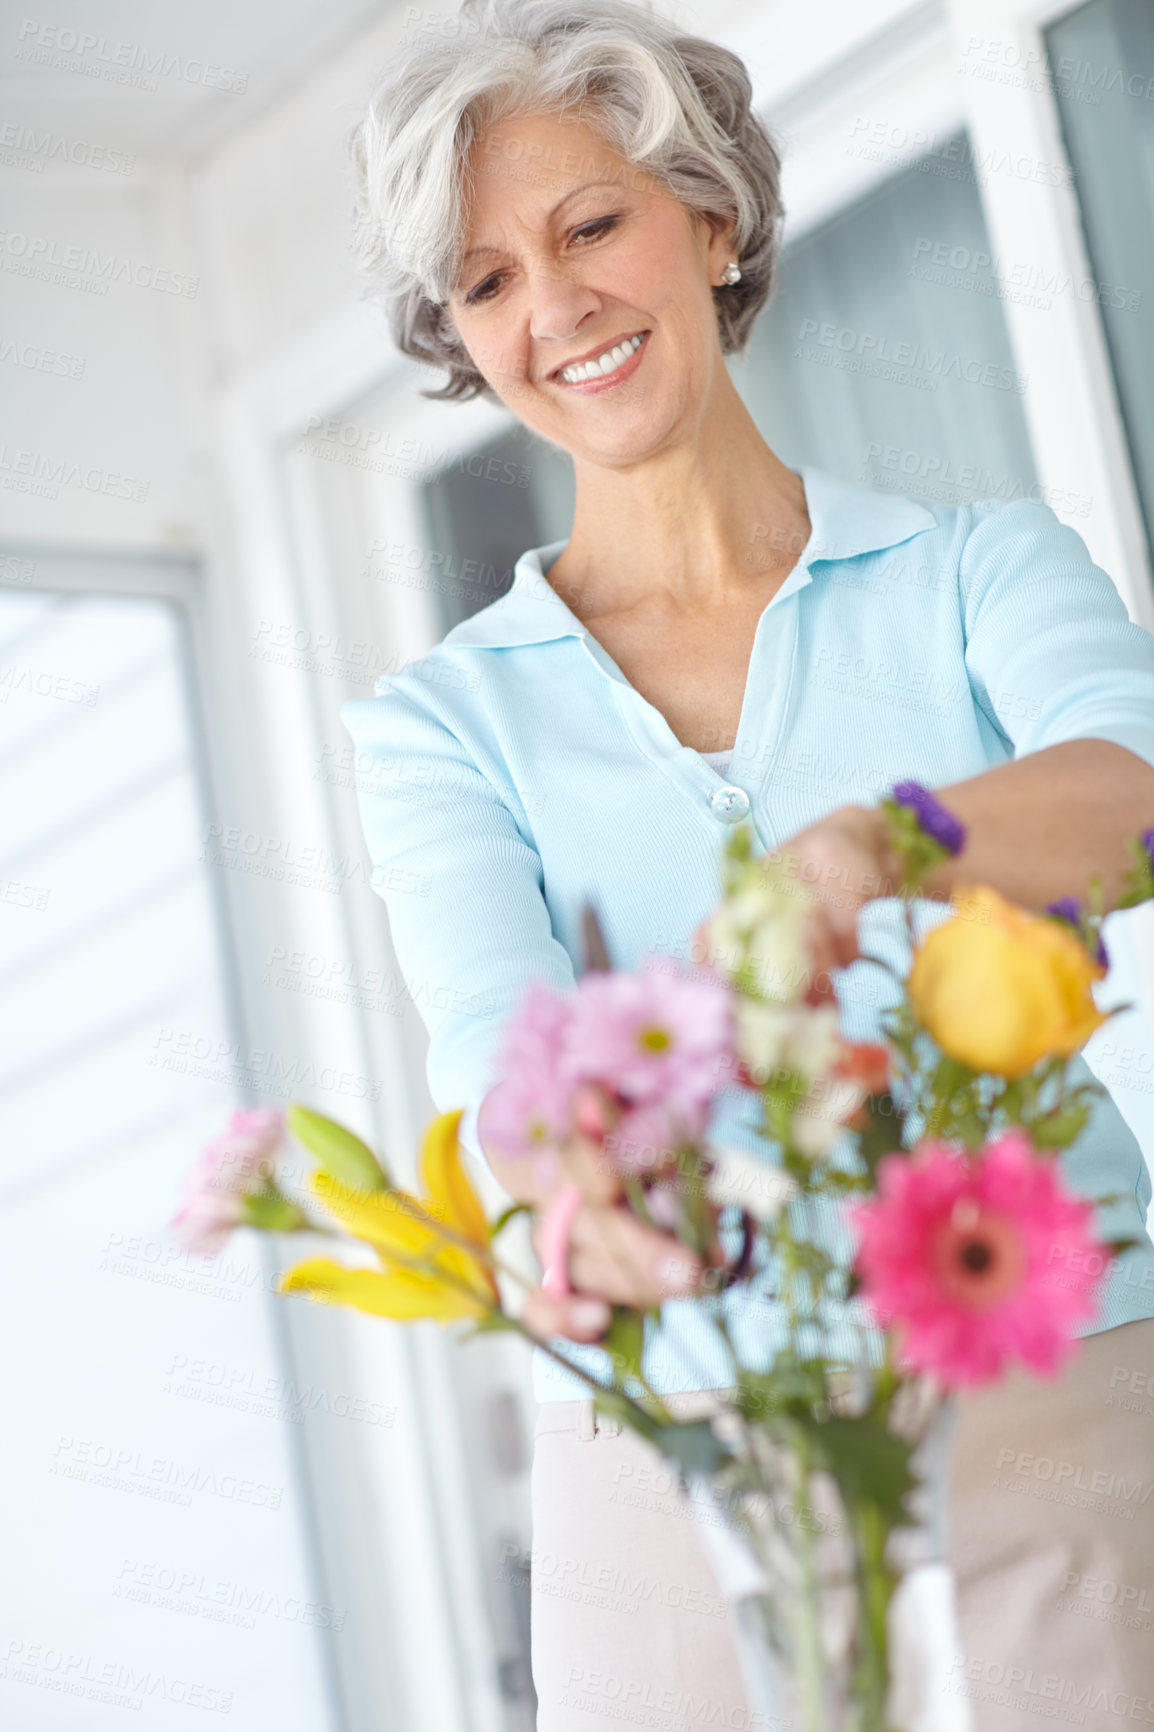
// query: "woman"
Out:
[571,208]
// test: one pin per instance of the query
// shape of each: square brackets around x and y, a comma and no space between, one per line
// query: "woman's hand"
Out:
[613,1257]
[844,861]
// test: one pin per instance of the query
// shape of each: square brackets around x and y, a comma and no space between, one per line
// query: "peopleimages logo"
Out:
[123,62]
[35,254]
[1022,1687]
[37,148]
[1071,1482]
[972,266]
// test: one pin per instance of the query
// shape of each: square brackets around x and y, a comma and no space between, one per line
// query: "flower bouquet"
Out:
[903,1230]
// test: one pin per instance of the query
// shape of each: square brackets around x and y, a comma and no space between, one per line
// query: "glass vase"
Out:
[840,1627]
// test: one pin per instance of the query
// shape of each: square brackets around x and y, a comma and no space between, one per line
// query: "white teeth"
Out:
[603,364]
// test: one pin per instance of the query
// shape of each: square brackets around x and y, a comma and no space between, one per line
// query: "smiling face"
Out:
[586,295]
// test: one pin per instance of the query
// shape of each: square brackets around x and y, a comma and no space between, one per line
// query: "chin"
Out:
[622,447]
[616,436]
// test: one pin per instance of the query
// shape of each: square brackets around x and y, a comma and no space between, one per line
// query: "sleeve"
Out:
[1051,652]
[462,886]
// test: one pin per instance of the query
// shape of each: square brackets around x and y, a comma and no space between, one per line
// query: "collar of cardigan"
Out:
[845,521]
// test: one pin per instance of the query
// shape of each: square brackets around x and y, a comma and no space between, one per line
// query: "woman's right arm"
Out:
[464,891]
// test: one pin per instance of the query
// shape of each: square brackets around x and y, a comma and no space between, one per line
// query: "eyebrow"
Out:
[481,252]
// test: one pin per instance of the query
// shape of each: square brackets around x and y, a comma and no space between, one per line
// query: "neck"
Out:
[702,520]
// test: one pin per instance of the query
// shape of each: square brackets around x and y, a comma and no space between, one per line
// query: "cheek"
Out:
[665,274]
[495,352]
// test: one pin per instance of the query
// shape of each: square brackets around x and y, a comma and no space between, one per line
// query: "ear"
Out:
[720,248]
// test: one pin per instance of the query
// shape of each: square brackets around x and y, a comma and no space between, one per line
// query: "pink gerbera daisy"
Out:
[654,1035]
[978,1260]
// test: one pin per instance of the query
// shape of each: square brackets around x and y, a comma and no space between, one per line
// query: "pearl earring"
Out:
[731,274]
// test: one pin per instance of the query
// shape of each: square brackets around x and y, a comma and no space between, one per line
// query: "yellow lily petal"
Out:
[392,1221]
[400,1294]
[443,1176]
[403,1229]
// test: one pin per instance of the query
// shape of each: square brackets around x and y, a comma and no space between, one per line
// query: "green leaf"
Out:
[791,1387]
[1058,1130]
[509,1214]
[881,1131]
[272,1213]
[692,1446]
[1138,883]
[625,1339]
[870,1464]
[341,1154]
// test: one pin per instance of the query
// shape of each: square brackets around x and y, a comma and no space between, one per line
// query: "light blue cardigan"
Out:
[513,773]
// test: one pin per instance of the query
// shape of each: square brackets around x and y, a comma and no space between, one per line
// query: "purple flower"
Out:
[655,1035]
[1069,908]
[1148,844]
[939,824]
[1066,908]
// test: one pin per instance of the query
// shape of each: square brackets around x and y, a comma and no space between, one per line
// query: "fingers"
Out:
[612,1254]
[586,1165]
[832,935]
[580,1317]
[613,1260]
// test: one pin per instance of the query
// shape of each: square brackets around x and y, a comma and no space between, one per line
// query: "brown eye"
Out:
[484,290]
[594,230]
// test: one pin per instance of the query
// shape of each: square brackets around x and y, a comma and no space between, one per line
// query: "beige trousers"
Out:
[1051,1508]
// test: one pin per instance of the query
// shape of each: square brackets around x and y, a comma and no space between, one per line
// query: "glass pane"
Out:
[1102,66]
[884,356]
[486,508]
[147,1470]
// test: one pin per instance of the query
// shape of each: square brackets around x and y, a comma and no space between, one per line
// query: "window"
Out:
[1102,65]
[156,1413]
[884,356]
[484,509]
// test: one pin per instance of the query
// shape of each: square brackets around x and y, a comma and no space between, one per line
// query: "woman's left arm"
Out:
[1041,827]
[1036,829]
[1060,671]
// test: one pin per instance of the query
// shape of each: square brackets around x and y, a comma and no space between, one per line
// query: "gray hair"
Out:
[677,106]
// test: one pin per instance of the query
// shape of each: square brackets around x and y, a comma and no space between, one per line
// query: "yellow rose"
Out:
[1000,989]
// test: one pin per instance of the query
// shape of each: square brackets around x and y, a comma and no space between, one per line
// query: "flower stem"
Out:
[806,1613]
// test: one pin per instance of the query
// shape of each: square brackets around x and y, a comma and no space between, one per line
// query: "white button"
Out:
[730,805]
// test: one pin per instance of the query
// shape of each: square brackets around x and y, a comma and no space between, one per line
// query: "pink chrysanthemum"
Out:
[654,1035]
[978,1260]
[646,1135]
[531,1107]
[234,1165]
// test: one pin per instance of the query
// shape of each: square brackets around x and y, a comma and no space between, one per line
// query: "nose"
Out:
[558,304]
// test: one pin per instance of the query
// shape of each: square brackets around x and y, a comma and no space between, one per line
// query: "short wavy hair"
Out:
[675,105]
